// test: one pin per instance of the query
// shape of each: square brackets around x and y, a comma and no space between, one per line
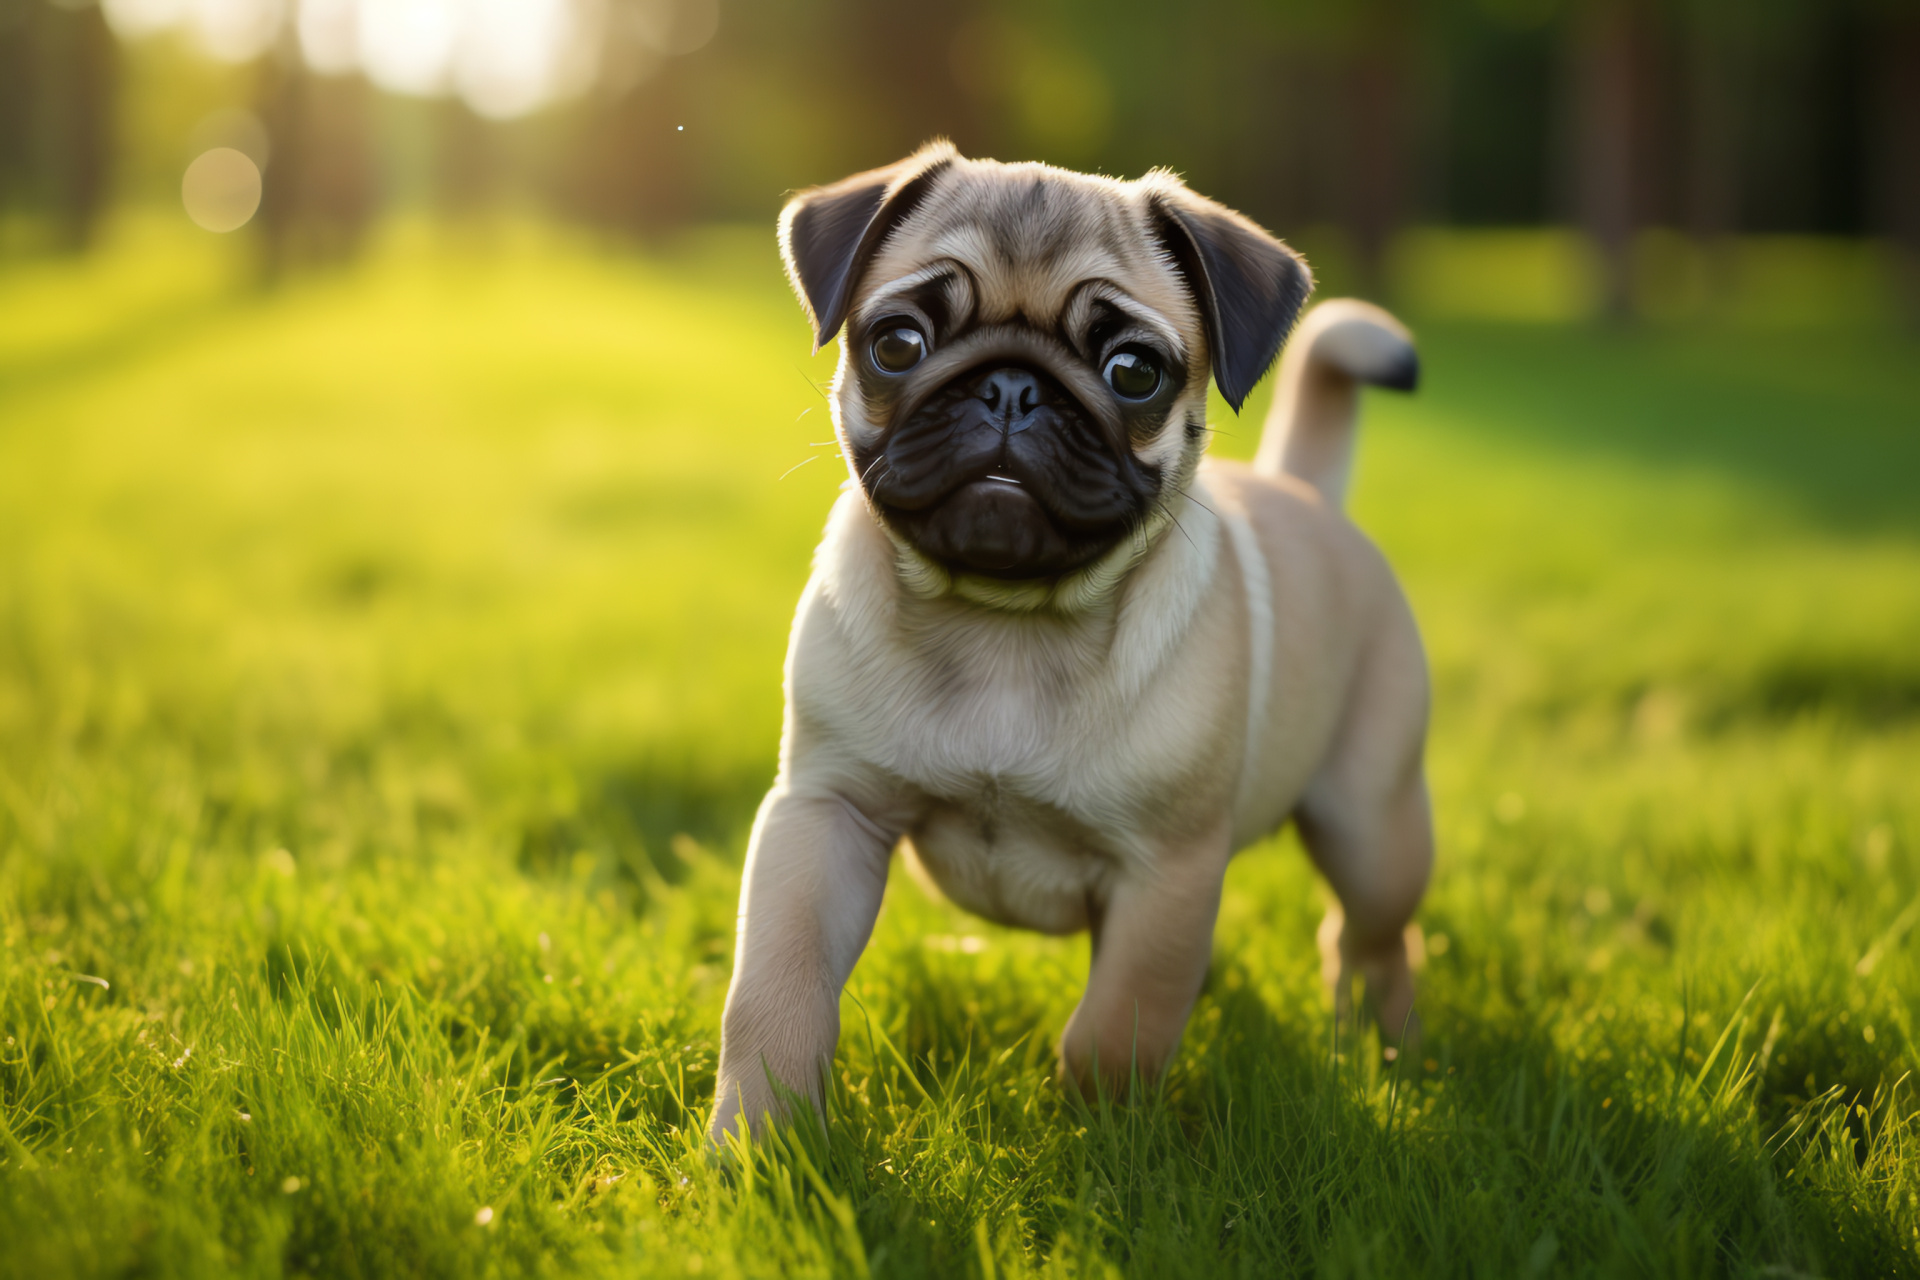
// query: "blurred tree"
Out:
[1803,163]
[1498,114]
[1610,87]
[1716,84]
[628,167]
[58,76]
[319,194]
[1335,120]
[1896,145]
[16,103]
[1381,84]
[630,161]
[910,60]
[467,169]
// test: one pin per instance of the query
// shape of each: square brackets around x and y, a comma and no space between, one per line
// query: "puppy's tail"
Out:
[1340,345]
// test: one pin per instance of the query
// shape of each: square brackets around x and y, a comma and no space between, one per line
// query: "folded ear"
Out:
[829,234]
[1249,285]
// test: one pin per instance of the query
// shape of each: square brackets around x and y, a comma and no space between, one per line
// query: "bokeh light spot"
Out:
[676,28]
[221,189]
[330,35]
[504,58]
[408,46]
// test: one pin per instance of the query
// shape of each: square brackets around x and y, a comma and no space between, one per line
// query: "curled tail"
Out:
[1309,431]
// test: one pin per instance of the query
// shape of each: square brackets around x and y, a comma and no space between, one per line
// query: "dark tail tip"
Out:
[1404,376]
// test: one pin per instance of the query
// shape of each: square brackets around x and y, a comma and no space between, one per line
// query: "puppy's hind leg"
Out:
[1378,866]
[1368,826]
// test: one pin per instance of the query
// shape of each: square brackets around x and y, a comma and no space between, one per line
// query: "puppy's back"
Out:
[1327,619]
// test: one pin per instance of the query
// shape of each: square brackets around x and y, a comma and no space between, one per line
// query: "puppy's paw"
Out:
[746,1109]
[1386,972]
[1097,1067]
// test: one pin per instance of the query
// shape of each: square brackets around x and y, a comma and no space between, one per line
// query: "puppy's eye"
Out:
[898,347]
[1134,374]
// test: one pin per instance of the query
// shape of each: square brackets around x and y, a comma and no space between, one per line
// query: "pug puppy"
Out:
[1064,661]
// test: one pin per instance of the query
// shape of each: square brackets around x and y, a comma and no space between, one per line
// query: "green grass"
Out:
[389,666]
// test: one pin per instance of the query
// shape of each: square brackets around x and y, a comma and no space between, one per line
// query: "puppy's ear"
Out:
[829,234]
[1249,285]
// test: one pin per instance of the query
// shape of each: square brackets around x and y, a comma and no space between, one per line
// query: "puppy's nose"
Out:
[1010,392]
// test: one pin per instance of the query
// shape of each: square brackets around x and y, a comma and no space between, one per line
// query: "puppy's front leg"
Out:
[1152,942]
[816,868]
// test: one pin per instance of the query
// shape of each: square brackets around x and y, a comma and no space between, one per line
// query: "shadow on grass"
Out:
[140,336]
[1828,419]
[1267,1154]
[634,820]
[1876,689]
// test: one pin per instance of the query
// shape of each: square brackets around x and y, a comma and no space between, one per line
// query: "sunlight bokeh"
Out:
[221,189]
[504,58]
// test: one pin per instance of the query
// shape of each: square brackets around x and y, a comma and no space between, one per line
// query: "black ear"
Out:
[1249,285]
[829,234]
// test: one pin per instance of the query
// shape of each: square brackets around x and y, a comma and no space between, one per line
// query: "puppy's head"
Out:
[1023,374]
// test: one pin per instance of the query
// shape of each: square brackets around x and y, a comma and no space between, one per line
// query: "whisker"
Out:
[806,378]
[1168,511]
[1188,495]
[796,466]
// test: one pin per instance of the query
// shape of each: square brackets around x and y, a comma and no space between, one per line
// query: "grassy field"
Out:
[389,666]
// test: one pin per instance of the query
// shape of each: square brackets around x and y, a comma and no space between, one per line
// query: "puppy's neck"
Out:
[1091,589]
[1124,622]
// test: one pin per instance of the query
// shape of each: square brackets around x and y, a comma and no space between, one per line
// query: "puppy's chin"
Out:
[997,528]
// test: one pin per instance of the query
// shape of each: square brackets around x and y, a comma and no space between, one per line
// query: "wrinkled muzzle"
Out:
[1002,472]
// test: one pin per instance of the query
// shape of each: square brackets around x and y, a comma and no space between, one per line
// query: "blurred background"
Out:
[1569,157]
[410,455]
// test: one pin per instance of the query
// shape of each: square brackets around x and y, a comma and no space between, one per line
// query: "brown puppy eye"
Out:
[898,347]
[1133,374]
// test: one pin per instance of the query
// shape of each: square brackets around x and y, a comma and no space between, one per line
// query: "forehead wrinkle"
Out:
[1030,234]
[884,293]
[1013,278]
[1136,312]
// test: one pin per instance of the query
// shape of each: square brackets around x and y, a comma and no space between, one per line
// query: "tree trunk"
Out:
[1896,154]
[1381,75]
[317,193]
[73,97]
[1605,71]
[1712,180]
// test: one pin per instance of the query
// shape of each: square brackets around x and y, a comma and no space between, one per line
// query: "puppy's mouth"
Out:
[1002,472]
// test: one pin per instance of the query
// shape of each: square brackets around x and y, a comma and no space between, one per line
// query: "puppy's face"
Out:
[1023,374]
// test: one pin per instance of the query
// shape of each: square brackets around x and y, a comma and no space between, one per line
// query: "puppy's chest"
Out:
[1029,803]
[1015,754]
[1012,860]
